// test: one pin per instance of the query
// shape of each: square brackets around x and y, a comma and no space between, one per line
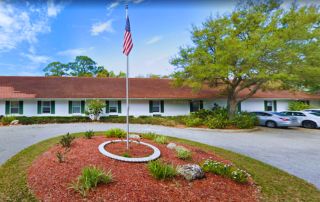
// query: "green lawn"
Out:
[275,185]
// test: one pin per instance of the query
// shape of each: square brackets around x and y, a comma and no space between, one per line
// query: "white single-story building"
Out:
[67,96]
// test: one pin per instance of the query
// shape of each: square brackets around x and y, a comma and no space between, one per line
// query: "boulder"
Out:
[190,171]
[14,122]
[171,145]
[134,136]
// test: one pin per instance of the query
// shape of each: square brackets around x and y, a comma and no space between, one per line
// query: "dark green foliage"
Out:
[66,140]
[89,134]
[116,133]
[126,154]
[60,157]
[90,177]
[6,120]
[161,170]
[245,120]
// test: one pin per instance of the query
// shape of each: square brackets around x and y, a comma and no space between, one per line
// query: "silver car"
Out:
[306,119]
[275,119]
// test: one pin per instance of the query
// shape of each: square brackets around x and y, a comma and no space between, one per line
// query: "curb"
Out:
[227,130]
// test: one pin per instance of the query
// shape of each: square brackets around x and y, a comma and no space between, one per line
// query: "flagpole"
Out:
[127,91]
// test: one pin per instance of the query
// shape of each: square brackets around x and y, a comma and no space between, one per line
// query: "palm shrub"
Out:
[116,133]
[161,170]
[160,139]
[90,177]
[183,153]
[66,140]
[89,134]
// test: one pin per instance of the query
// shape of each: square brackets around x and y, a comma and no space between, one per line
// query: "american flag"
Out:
[127,44]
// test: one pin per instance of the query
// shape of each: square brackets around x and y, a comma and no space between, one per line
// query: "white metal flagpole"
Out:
[127,91]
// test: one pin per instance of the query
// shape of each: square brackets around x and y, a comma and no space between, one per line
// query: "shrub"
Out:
[66,140]
[240,176]
[60,157]
[90,177]
[89,134]
[192,122]
[116,133]
[217,168]
[160,139]
[222,169]
[245,120]
[298,106]
[126,154]
[149,135]
[217,122]
[183,153]
[6,120]
[160,170]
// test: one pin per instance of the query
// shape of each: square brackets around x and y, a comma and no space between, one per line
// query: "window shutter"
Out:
[275,105]
[70,107]
[119,106]
[82,106]
[39,107]
[239,106]
[7,107]
[162,106]
[107,106]
[201,104]
[53,107]
[265,105]
[20,107]
[191,106]
[150,106]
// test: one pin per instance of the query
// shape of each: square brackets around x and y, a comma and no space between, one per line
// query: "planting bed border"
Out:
[156,152]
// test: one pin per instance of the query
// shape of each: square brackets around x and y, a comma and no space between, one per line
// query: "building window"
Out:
[156,106]
[14,107]
[46,107]
[270,105]
[196,105]
[113,106]
[76,107]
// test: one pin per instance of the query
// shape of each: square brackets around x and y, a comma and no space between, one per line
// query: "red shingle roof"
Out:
[74,87]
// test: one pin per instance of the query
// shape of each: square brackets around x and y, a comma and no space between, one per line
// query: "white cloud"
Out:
[37,59]
[113,5]
[18,24]
[154,40]
[137,1]
[53,9]
[75,52]
[101,27]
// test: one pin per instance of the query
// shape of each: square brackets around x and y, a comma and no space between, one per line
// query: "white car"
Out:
[312,110]
[305,119]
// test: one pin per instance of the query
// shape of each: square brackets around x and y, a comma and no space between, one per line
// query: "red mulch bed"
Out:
[50,180]
[135,149]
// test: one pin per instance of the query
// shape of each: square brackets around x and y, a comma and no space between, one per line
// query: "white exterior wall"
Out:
[141,107]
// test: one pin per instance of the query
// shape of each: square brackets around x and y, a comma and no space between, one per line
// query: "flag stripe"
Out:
[127,42]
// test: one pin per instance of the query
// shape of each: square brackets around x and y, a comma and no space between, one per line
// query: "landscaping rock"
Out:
[134,136]
[190,171]
[171,145]
[14,122]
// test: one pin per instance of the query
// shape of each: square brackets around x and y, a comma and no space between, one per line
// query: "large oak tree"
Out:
[259,46]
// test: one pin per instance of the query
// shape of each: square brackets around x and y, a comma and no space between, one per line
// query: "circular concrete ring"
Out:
[155,155]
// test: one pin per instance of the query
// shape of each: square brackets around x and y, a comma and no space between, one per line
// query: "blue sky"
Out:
[33,34]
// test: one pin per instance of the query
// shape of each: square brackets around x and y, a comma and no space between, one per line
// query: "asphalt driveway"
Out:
[296,151]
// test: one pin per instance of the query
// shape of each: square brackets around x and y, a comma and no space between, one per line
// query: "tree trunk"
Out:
[232,105]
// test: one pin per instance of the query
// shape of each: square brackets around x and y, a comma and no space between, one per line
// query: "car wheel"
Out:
[309,124]
[271,124]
